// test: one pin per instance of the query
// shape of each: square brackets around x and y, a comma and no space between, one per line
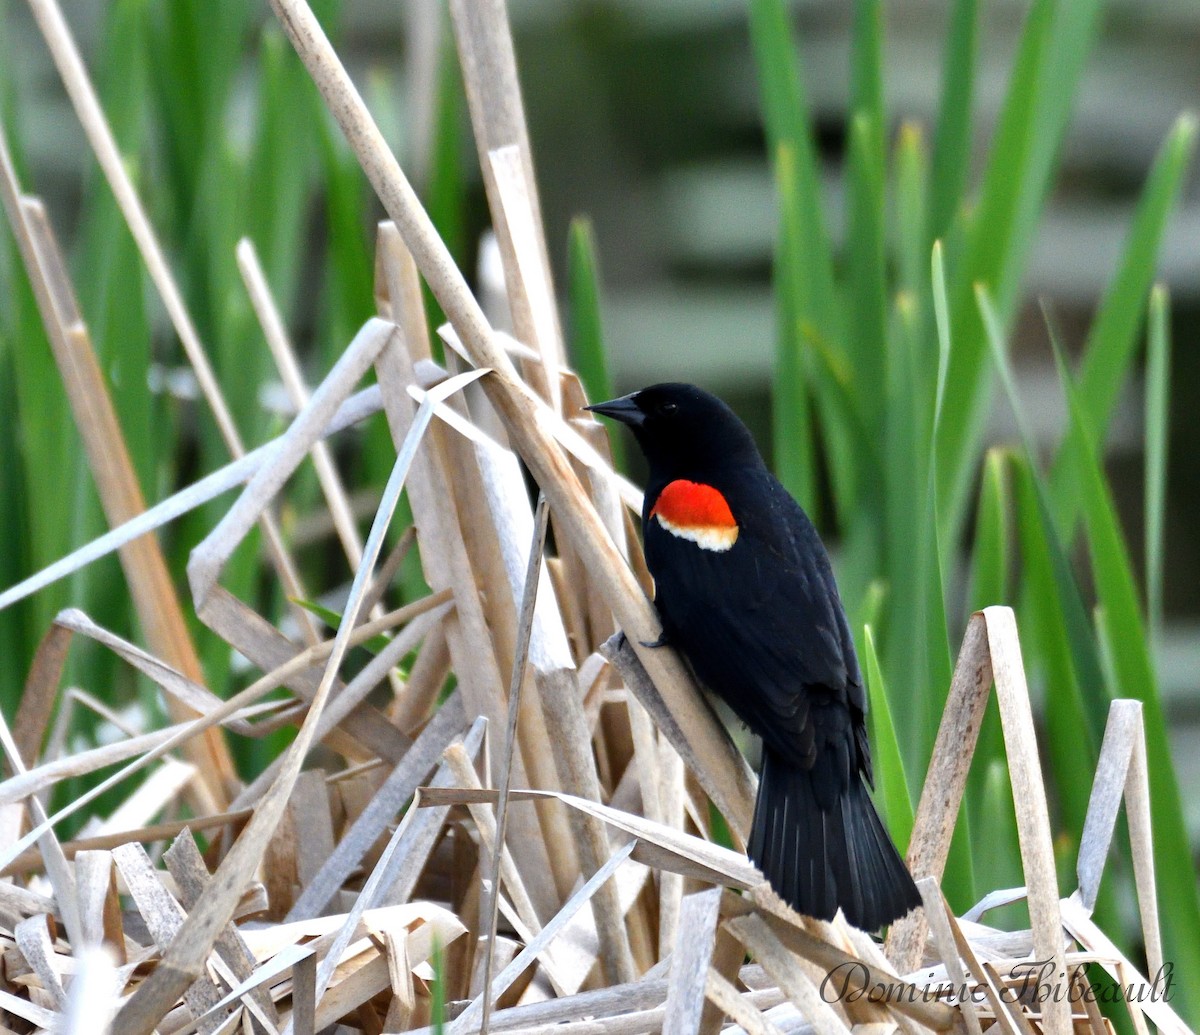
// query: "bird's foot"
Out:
[662,641]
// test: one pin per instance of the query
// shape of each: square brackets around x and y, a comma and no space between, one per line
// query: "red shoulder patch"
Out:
[693,504]
[698,512]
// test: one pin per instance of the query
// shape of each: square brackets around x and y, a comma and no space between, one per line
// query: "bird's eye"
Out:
[667,408]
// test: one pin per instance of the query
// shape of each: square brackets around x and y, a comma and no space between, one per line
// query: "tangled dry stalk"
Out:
[556,851]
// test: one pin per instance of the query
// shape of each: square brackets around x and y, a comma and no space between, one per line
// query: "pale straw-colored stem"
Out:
[276,335]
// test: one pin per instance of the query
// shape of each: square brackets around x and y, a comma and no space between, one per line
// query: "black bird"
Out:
[745,591]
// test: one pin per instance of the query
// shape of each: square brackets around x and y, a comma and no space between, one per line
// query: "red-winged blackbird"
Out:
[745,591]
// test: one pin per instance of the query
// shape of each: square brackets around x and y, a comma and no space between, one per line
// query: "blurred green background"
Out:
[764,183]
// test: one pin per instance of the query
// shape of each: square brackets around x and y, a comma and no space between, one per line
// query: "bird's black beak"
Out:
[625,409]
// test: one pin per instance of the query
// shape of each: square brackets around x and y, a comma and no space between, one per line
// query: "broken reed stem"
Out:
[510,875]
[227,709]
[358,407]
[276,336]
[521,655]
[489,71]
[64,767]
[512,197]
[61,877]
[467,1018]
[1028,787]
[945,784]
[145,835]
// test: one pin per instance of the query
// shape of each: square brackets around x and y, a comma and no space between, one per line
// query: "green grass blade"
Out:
[989,794]
[952,139]
[195,53]
[891,782]
[17,629]
[39,438]
[805,285]
[1113,337]
[788,123]
[111,285]
[866,266]
[1072,37]
[792,425]
[1062,650]
[375,644]
[1108,650]
[221,306]
[586,324]
[911,176]
[784,102]
[1134,671]
[988,248]
[941,311]
[904,443]
[866,173]
[996,341]
[587,328]
[49,447]
[993,535]
[916,648]
[935,662]
[280,172]
[871,608]
[1034,116]
[1110,559]
[1158,393]
[935,645]
[37,507]
[446,190]
[866,72]
[995,827]
[111,290]
[348,290]
[1056,619]
[1052,554]
[851,447]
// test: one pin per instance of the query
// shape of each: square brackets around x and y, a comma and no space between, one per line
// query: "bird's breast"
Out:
[696,512]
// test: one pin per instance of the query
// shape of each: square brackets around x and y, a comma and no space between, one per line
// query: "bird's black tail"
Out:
[817,859]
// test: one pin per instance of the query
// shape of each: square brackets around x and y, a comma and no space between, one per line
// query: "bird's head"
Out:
[681,428]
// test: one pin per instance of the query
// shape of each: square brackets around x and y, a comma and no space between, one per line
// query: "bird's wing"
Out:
[763,627]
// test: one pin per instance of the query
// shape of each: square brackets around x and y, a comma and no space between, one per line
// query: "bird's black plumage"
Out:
[745,591]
